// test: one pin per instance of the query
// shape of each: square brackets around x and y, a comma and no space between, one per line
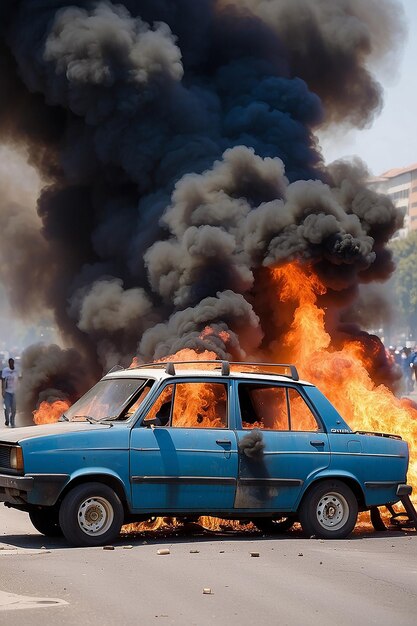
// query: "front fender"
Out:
[97,474]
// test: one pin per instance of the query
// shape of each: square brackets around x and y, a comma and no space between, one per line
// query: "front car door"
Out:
[281,444]
[183,455]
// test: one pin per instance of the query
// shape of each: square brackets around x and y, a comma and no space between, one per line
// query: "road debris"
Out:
[108,547]
[194,551]
[207,591]
[254,553]
[162,551]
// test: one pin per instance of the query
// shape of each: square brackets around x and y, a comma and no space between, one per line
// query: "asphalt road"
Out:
[369,579]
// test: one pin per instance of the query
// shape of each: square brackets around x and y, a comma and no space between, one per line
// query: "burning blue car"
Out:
[232,440]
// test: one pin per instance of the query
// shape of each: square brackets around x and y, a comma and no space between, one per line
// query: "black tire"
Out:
[274,526]
[46,521]
[91,515]
[329,510]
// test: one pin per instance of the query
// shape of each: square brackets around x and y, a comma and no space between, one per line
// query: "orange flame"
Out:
[343,375]
[49,412]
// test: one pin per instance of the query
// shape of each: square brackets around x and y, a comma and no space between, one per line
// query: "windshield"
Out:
[107,399]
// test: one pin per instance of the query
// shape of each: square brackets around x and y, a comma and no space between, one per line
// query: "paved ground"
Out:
[368,579]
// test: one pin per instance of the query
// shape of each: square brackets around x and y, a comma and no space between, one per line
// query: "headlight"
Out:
[16,458]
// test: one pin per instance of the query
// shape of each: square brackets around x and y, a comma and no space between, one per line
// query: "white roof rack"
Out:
[226,366]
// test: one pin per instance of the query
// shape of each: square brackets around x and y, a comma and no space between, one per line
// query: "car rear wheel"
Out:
[46,522]
[329,510]
[91,515]
[274,526]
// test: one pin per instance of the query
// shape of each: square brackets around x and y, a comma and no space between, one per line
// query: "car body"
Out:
[236,441]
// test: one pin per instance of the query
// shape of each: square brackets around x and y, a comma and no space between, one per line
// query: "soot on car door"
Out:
[281,445]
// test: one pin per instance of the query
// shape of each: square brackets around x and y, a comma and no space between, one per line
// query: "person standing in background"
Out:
[413,362]
[9,380]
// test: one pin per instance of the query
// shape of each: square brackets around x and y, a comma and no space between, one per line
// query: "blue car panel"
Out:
[182,469]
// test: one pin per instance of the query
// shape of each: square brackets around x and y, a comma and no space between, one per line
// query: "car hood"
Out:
[15,435]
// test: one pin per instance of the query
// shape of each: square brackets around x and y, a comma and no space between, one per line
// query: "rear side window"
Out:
[302,418]
[263,407]
[272,407]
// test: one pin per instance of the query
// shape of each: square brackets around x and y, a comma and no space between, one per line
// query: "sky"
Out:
[392,139]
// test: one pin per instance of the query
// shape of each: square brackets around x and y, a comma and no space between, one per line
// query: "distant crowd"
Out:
[406,358]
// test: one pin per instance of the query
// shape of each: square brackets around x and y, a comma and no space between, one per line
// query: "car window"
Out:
[135,404]
[106,399]
[302,417]
[263,406]
[200,405]
[190,405]
[272,407]
[160,412]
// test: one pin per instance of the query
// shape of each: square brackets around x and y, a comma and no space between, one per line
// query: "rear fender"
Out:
[346,477]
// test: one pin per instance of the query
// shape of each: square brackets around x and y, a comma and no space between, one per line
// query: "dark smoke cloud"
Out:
[330,45]
[227,311]
[51,373]
[176,146]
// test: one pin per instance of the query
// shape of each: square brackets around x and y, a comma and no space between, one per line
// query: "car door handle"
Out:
[223,442]
[317,443]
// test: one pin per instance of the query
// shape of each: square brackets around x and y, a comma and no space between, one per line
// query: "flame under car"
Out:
[236,441]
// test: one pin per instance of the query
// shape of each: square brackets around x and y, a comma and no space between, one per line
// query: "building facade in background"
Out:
[400,184]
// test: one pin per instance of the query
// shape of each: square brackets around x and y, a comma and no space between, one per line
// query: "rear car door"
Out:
[183,455]
[281,443]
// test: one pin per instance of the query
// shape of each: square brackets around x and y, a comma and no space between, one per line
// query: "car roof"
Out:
[162,372]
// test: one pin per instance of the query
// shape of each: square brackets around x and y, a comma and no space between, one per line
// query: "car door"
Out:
[281,445]
[183,455]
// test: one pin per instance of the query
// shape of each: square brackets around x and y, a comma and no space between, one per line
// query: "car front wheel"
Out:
[91,515]
[329,510]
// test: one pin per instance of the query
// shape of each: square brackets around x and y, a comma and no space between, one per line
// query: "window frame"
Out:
[177,380]
[129,400]
[286,386]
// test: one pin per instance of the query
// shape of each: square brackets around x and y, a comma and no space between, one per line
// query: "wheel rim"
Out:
[95,516]
[332,511]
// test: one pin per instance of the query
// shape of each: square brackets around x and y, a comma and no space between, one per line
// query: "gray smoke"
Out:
[51,373]
[227,311]
[252,445]
[176,146]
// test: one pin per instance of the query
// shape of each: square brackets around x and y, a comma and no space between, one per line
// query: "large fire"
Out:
[344,374]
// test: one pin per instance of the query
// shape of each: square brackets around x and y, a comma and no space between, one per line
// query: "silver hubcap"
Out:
[95,516]
[332,511]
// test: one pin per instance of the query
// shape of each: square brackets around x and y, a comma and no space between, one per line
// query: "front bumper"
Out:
[39,489]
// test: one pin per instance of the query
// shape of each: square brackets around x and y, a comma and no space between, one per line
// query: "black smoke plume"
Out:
[175,142]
